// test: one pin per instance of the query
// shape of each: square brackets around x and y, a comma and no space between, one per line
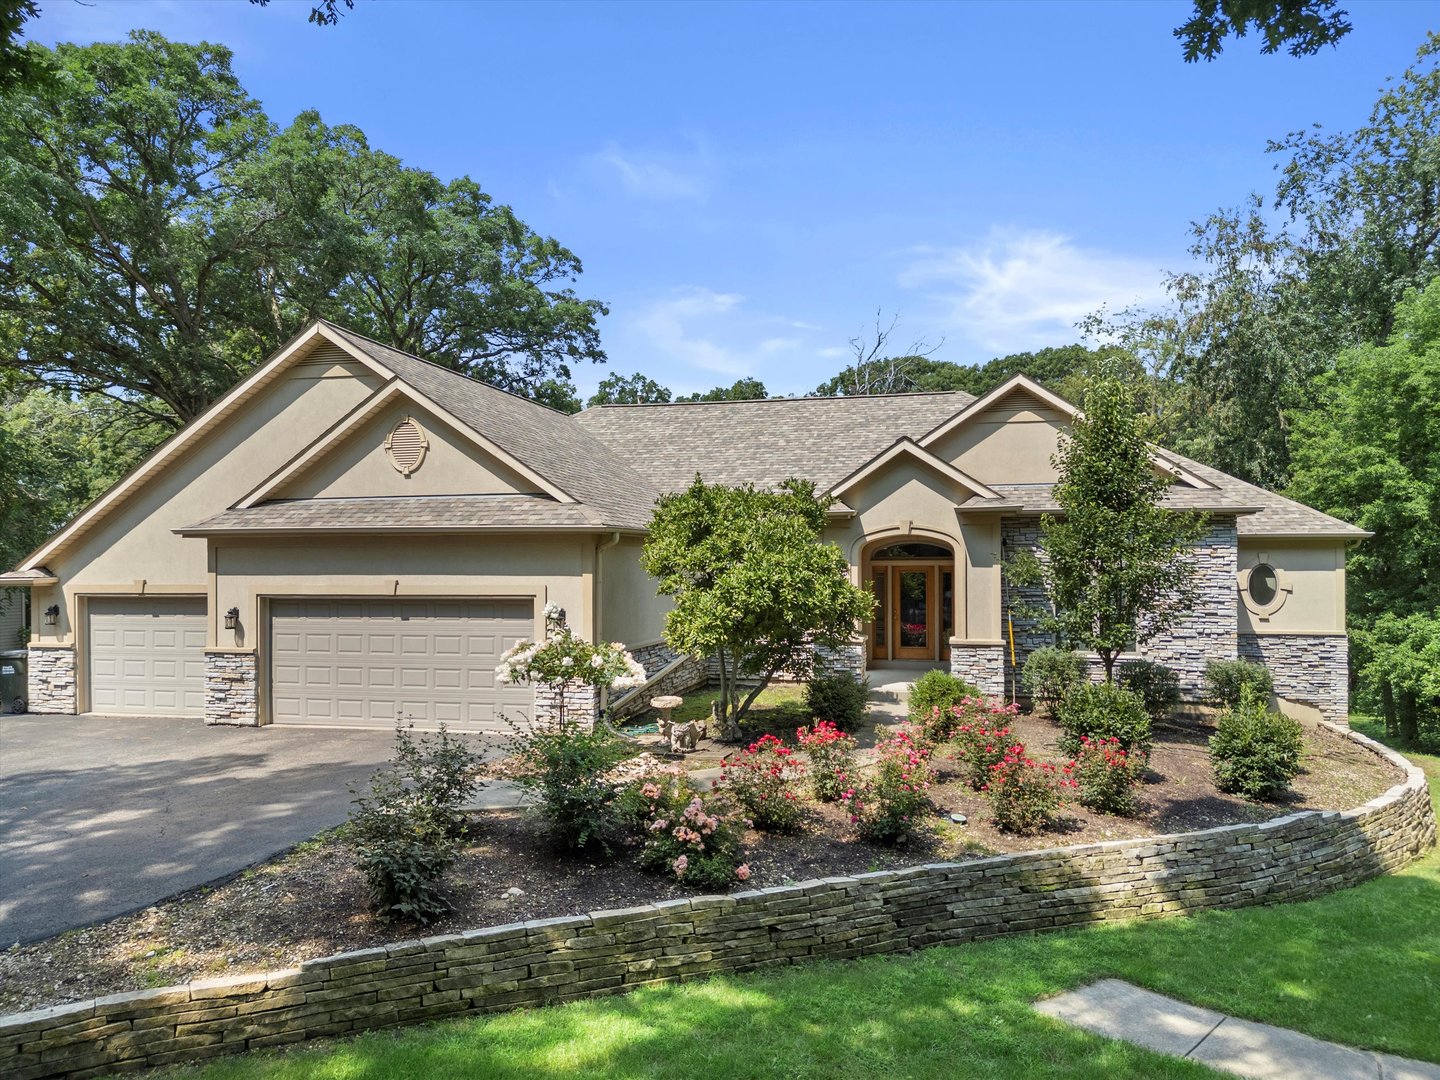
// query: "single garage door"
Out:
[147,655]
[369,663]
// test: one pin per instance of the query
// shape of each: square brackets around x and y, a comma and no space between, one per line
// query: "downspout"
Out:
[596,589]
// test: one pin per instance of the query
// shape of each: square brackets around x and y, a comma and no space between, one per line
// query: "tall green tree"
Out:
[1114,563]
[753,584]
[637,389]
[1061,368]
[159,237]
[746,389]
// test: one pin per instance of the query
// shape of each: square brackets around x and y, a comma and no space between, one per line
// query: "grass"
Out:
[779,710]
[1360,967]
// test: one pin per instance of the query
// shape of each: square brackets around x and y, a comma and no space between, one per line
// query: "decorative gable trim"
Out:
[907,447]
[212,418]
[1027,385]
[362,414]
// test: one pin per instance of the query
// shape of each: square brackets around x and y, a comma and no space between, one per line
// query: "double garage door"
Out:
[369,663]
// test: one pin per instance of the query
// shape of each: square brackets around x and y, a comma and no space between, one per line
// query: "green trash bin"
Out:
[14,686]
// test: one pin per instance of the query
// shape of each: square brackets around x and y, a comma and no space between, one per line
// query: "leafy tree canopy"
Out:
[747,389]
[159,237]
[1302,27]
[1058,368]
[617,389]
[1114,564]
[752,584]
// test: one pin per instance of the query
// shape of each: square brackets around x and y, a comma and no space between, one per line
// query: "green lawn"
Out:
[779,710]
[1360,967]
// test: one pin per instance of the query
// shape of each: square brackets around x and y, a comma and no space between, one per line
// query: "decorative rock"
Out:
[514,892]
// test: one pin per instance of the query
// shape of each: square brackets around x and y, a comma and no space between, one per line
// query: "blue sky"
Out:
[747,184]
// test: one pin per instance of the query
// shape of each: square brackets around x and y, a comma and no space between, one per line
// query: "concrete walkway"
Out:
[1121,1011]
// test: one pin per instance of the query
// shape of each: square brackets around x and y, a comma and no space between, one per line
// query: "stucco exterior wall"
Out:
[1009,444]
[136,543]
[629,609]
[359,466]
[1313,572]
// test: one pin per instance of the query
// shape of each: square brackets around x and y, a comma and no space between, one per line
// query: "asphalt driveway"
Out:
[102,817]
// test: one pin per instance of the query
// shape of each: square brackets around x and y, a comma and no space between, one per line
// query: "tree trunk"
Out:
[729,723]
[1109,658]
[1409,718]
[1387,707]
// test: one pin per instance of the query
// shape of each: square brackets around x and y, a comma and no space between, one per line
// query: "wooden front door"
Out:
[914,602]
[914,608]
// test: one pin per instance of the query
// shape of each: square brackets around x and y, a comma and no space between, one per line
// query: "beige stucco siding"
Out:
[1008,444]
[136,542]
[630,610]
[1314,571]
[359,467]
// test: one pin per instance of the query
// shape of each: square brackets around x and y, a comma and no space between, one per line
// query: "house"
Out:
[353,535]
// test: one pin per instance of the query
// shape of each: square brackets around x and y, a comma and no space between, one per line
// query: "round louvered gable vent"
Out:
[406,446]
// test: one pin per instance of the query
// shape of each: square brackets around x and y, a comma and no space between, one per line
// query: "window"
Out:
[1264,588]
[1264,585]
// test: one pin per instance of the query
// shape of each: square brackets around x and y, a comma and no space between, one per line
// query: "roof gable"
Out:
[907,449]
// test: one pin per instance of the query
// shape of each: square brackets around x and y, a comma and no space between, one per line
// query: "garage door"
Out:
[147,656]
[368,663]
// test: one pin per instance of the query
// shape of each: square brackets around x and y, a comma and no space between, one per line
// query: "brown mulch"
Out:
[312,902]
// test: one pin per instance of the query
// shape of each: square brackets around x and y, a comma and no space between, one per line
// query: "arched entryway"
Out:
[914,584]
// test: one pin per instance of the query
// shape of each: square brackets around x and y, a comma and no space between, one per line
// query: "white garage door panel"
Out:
[147,655]
[367,663]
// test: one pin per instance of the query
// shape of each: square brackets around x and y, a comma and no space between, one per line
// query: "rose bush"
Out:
[1026,795]
[981,747]
[890,807]
[1107,775]
[832,759]
[765,779]
[694,838]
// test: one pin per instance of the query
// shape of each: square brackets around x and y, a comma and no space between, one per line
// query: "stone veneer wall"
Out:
[504,967]
[231,689]
[1210,632]
[849,657]
[51,679]
[685,676]
[582,704]
[1313,669]
[983,666]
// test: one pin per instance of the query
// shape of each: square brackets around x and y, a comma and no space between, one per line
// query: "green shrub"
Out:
[1157,685]
[1107,775]
[404,831]
[765,779]
[832,759]
[982,740]
[1026,795]
[839,698]
[1255,752]
[1103,711]
[694,837]
[1226,680]
[565,766]
[1049,674]
[938,689]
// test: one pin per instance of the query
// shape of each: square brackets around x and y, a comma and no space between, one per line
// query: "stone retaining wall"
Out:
[684,677]
[504,967]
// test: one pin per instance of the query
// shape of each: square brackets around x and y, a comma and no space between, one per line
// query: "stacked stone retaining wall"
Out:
[504,967]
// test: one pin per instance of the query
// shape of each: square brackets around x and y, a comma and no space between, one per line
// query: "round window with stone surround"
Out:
[1264,588]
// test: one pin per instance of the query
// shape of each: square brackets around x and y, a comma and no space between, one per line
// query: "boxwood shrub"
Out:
[1255,752]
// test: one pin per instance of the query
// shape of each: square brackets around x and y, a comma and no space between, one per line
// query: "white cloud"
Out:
[666,327]
[1018,289]
[659,175]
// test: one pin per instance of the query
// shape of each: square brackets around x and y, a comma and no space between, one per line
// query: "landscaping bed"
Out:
[312,901]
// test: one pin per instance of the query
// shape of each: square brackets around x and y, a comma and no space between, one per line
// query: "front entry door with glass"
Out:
[914,587]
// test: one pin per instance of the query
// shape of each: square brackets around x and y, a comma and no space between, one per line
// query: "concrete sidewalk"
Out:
[1121,1011]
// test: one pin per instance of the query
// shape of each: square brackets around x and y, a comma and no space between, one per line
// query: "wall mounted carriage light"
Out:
[232,618]
[52,614]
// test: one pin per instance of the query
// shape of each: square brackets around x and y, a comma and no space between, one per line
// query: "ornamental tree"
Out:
[753,584]
[1113,563]
[563,660]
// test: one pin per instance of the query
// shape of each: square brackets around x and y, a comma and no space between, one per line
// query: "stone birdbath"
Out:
[666,704]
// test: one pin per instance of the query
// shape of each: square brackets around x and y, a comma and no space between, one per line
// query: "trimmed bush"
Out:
[1107,775]
[1104,711]
[1157,685]
[891,806]
[1226,680]
[1049,674]
[1026,795]
[565,766]
[838,698]
[938,689]
[689,835]
[1255,752]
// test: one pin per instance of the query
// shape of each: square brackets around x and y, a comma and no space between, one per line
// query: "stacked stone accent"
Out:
[51,679]
[984,666]
[232,692]
[582,704]
[551,960]
[1022,603]
[1312,669]
[1209,632]
[685,675]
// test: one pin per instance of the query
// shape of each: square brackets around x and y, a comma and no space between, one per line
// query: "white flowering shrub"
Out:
[566,660]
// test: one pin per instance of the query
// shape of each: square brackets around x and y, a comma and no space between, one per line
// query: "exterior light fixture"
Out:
[52,614]
[232,618]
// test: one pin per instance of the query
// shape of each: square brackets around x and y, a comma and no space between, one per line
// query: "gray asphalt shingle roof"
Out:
[401,512]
